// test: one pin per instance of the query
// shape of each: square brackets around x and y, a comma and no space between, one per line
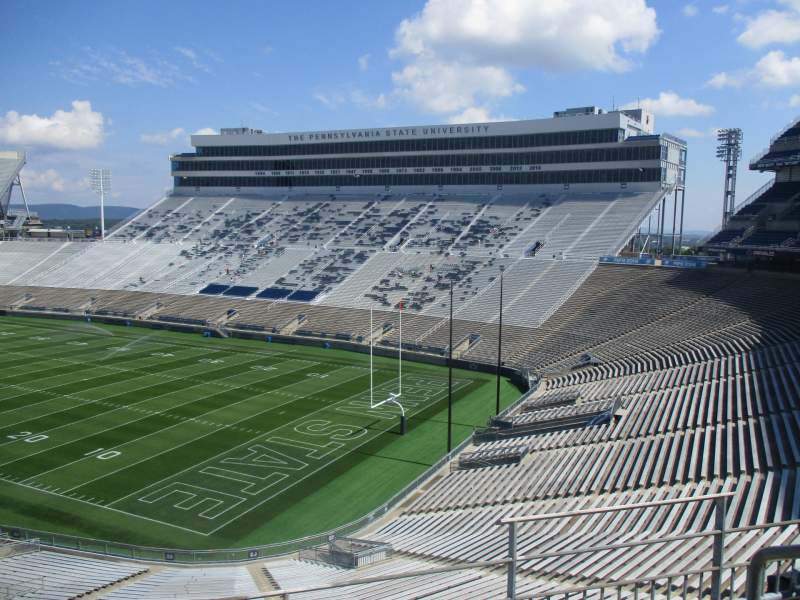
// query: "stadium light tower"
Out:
[729,151]
[100,180]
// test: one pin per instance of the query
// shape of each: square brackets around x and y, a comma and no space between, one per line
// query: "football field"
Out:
[171,439]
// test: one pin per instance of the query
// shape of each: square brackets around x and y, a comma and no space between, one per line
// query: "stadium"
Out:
[447,361]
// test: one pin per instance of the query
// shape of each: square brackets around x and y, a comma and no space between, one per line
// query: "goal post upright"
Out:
[393,396]
[400,355]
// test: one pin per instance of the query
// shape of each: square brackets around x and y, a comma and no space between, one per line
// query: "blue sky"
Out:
[122,85]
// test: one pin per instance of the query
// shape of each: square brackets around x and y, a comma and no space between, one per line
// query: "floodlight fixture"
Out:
[729,151]
[100,182]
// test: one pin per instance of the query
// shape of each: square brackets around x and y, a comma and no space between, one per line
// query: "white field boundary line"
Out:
[225,352]
[164,375]
[59,335]
[101,506]
[74,396]
[90,367]
[251,440]
[181,421]
[47,389]
[236,348]
[232,425]
[195,419]
[91,348]
[314,471]
[102,402]
[38,360]
[300,397]
[154,335]
[100,362]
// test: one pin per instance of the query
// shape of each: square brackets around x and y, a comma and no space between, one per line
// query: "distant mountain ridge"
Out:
[66,212]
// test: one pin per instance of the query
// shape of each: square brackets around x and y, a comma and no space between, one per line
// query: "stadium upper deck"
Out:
[767,224]
[583,147]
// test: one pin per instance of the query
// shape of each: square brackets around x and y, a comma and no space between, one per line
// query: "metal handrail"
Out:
[714,570]
[758,564]
[754,195]
[615,508]
[718,533]
[784,129]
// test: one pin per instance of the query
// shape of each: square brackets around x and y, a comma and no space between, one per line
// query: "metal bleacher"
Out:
[696,379]
[354,252]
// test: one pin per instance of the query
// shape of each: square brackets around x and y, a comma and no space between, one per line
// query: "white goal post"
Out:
[394,397]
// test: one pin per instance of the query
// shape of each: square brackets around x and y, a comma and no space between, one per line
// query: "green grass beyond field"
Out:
[170,439]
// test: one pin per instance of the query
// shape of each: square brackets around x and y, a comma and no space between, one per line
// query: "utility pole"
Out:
[499,341]
[450,378]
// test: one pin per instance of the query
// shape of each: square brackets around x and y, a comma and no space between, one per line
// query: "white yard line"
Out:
[182,421]
[194,439]
[75,397]
[103,402]
[334,384]
[304,477]
[34,488]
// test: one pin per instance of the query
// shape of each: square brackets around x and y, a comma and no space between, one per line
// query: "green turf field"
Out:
[171,439]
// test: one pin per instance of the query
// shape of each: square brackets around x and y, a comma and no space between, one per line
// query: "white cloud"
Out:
[330,100]
[50,180]
[553,35]
[117,66]
[193,58]
[688,132]
[206,131]
[720,9]
[364,100]
[775,69]
[459,54]
[73,129]
[689,10]
[723,80]
[771,27]
[262,108]
[162,138]
[336,98]
[363,62]
[794,101]
[476,114]
[443,87]
[670,104]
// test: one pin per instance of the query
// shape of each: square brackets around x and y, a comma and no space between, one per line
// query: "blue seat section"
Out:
[304,295]
[240,291]
[214,288]
[274,293]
